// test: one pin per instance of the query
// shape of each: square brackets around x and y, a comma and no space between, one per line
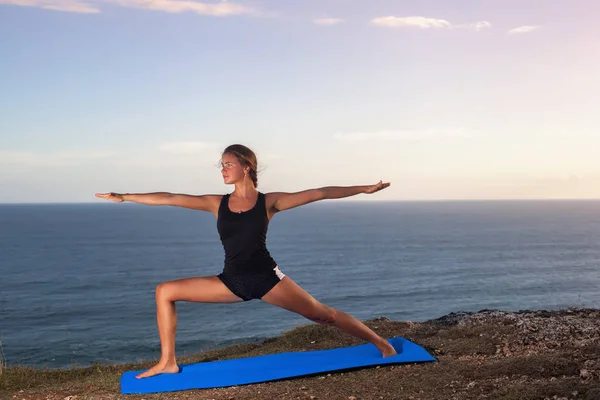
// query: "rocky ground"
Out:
[484,355]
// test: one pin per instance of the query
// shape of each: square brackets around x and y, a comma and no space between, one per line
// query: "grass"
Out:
[472,365]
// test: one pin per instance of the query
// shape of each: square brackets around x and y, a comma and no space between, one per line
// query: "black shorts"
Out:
[251,286]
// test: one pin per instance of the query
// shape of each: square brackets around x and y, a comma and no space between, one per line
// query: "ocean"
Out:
[77,281]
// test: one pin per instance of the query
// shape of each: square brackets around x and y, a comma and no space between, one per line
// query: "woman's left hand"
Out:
[376,187]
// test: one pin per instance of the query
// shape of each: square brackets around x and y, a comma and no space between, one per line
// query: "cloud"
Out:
[479,25]
[188,147]
[167,155]
[32,159]
[523,29]
[404,135]
[220,9]
[413,22]
[425,23]
[328,21]
[56,5]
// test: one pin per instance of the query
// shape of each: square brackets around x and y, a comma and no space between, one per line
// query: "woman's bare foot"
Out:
[387,350]
[160,368]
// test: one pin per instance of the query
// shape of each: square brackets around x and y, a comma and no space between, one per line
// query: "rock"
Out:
[585,374]
[381,319]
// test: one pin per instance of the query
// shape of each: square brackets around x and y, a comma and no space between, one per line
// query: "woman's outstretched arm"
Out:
[338,192]
[285,201]
[203,202]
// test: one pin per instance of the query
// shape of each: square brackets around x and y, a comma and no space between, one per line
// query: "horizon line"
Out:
[352,200]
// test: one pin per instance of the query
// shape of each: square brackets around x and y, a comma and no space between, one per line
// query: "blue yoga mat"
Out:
[242,371]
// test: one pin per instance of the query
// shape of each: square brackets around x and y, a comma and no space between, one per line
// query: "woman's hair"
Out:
[246,158]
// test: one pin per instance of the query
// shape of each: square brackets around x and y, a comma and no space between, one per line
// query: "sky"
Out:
[447,100]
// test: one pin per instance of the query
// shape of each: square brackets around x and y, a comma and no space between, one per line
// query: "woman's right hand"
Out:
[111,196]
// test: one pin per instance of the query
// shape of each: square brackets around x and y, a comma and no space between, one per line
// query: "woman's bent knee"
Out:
[163,291]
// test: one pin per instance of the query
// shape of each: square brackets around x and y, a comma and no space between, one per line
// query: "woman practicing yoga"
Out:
[250,272]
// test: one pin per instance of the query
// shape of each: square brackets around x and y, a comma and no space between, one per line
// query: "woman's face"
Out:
[231,169]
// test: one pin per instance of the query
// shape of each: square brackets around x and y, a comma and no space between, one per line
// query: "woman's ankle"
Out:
[167,361]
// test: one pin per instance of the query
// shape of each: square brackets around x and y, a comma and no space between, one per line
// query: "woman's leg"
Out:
[208,289]
[288,295]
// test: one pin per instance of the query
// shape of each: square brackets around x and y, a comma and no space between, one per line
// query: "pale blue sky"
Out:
[445,99]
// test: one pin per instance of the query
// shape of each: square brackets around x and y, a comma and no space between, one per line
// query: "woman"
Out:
[249,272]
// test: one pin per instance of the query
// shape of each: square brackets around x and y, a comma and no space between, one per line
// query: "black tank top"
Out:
[244,237]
